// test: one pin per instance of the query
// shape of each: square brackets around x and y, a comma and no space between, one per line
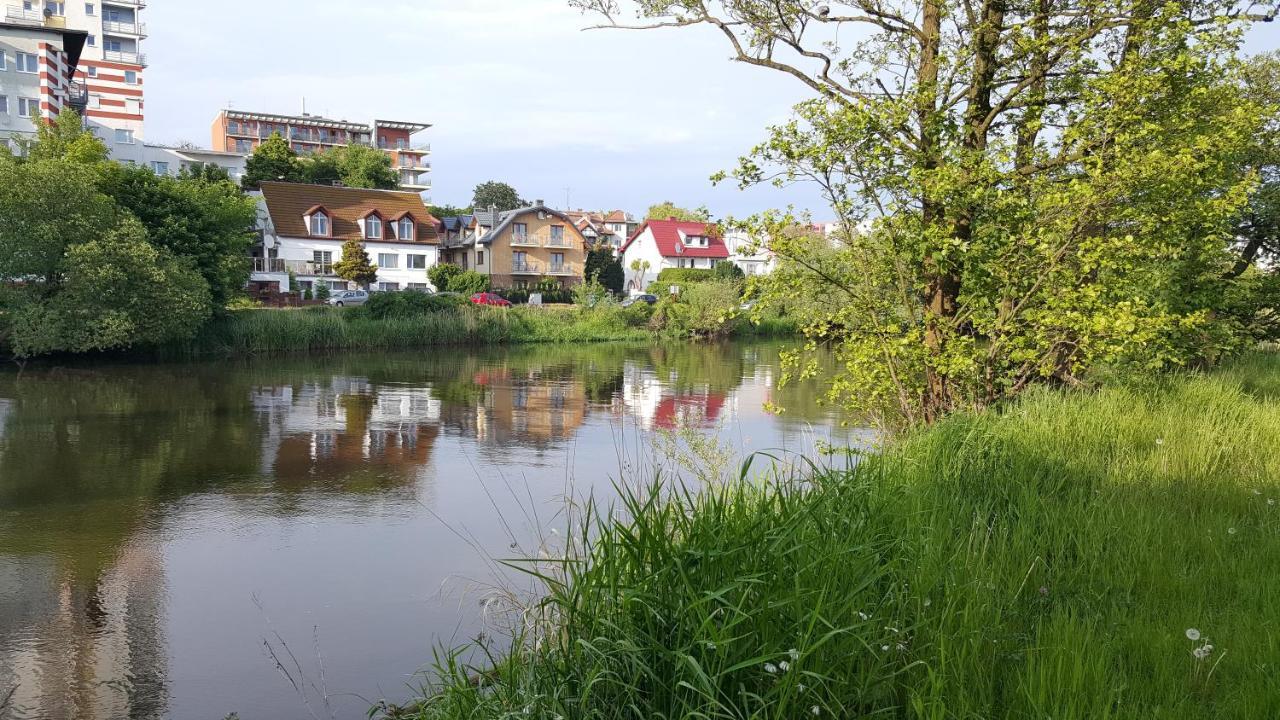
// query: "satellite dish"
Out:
[48,13]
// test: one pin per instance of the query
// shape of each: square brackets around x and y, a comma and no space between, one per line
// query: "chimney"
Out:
[537,203]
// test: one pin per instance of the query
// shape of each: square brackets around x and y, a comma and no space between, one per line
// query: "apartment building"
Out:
[37,65]
[303,228]
[110,67]
[240,132]
[518,248]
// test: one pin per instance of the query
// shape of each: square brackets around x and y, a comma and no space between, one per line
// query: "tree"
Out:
[355,265]
[206,173]
[272,161]
[605,268]
[357,166]
[496,194]
[667,209]
[441,274]
[1026,191]
[641,267]
[444,211]
[1258,227]
[208,222]
[47,205]
[66,138]
[469,282]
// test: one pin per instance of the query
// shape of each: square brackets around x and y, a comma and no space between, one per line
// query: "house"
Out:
[752,257]
[303,228]
[601,228]
[517,248]
[671,243]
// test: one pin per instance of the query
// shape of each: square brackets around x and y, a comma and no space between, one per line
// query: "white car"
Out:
[349,297]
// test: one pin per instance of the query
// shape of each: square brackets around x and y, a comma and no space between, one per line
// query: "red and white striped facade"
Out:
[34,97]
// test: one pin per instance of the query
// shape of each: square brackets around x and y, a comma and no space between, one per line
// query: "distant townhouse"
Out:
[519,248]
[752,257]
[303,227]
[604,228]
[240,132]
[671,243]
[37,68]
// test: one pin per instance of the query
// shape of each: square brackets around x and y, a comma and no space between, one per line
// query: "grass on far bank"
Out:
[1050,561]
[262,331]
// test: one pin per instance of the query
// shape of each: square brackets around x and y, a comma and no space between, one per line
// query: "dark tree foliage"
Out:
[606,269]
[496,194]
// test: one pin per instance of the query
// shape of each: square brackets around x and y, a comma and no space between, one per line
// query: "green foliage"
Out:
[605,267]
[1035,563]
[441,274]
[444,211]
[115,292]
[208,223]
[469,282]
[676,276]
[273,160]
[355,265]
[48,206]
[66,139]
[725,270]
[496,194]
[322,291]
[408,304]
[706,309]
[206,173]
[668,209]
[357,166]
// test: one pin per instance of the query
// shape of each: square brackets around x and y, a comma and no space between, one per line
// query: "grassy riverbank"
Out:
[1054,560]
[256,332]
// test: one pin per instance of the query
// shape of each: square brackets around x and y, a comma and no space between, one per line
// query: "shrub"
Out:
[408,304]
[441,274]
[707,310]
[726,270]
[675,276]
[322,291]
[469,282]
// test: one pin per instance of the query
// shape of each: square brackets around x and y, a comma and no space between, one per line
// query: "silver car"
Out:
[349,297]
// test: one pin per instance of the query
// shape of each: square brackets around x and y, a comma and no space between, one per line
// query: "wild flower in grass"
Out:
[771,668]
[1193,634]
[884,648]
[1231,531]
[794,654]
[711,646]
[1202,652]
[1257,491]
[815,710]
[1159,441]
[1271,501]
[801,687]
[784,666]
[1044,591]
[862,615]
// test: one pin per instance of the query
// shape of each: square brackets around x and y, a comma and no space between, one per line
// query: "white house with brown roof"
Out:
[303,228]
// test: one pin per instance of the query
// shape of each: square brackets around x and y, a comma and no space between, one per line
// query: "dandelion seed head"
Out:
[1231,531]
[784,666]
[1271,501]
[885,648]
[1201,652]
[801,687]
[1193,634]
[794,654]
[1044,591]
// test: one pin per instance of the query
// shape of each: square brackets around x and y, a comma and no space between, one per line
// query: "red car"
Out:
[490,299]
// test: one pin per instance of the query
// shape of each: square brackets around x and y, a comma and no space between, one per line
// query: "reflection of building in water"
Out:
[346,424]
[90,648]
[521,407]
[655,405]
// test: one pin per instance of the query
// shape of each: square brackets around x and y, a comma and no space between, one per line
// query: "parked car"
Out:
[349,297]
[647,299]
[490,299]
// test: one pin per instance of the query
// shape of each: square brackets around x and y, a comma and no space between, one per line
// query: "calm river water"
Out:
[166,529]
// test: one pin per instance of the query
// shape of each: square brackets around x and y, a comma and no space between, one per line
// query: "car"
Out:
[647,299]
[490,299]
[349,297]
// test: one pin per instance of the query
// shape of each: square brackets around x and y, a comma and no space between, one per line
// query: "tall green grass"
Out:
[1043,562]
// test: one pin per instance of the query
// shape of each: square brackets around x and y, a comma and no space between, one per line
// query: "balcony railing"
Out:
[525,240]
[525,267]
[117,27]
[22,16]
[560,270]
[77,96]
[297,267]
[127,3]
[128,58]
[558,242]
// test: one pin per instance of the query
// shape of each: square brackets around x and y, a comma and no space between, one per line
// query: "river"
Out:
[168,532]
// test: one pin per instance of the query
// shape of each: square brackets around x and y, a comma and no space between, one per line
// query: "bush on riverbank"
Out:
[1102,555]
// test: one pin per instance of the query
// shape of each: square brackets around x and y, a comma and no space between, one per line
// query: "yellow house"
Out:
[520,248]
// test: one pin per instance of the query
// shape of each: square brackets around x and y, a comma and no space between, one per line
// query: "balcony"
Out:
[127,3]
[77,97]
[116,27]
[560,270]
[128,58]
[524,267]
[17,14]
[558,242]
[524,240]
[297,267]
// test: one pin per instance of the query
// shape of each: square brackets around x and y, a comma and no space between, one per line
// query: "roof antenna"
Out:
[304,106]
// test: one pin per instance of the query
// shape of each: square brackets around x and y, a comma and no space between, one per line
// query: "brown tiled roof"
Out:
[288,203]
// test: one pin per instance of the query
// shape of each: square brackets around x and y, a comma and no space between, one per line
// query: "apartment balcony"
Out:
[525,268]
[297,267]
[560,270]
[77,97]
[127,58]
[518,240]
[558,242]
[418,165]
[127,3]
[133,29]
[21,16]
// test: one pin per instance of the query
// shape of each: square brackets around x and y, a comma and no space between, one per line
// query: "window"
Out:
[320,224]
[27,63]
[112,45]
[520,261]
[28,107]
[93,41]
[557,234]
[373,227]
[2,61]
[4,104]
[416,262]
[521,232]
[338,285]
[419,286]
[88,8]
[388,286]
[323,260]
[133,106]
[92,72]
[124,137]
[55,8]
[405,231]
[479,258]
[389,261]
[557,262]
[244,146]
[131,77]
[160,168]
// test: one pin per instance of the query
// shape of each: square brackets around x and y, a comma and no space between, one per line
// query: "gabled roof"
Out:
[666,233]
[287,203]
[505,219]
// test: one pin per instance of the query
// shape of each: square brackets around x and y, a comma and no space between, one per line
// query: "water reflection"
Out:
[143,509]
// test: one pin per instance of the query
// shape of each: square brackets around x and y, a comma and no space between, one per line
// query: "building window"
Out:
[92,72]
[388,286]
[55,8]
[124,137]
[521,232]
[479,258]
[373,227]
[93,41]
[320,225]
[557,234]
[28,107]
[557,262]
[131,77]
[88,9]
[406,229]
[160,168]
[4,104]
[419,286]
[389,261]
[112,46]
[2,60]
[520,261]
[323,259]
[27,63]
[244,146]
[417,262]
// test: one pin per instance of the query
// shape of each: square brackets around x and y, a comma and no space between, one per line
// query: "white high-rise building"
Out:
[111,63]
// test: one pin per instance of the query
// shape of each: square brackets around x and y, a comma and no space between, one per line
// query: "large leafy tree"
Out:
[273,160]
[1026,189]
[605,268]
[357,166]
[1258,227]
[667,209]
[496,194]
[355,265]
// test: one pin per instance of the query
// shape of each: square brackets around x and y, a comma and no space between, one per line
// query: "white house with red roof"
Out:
[670,243]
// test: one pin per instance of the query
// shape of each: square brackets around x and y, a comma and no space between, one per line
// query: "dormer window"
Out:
[695,240]
[373,226]
[404,228]
[318,222]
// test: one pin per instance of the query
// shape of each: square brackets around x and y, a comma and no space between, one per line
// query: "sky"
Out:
[515,90]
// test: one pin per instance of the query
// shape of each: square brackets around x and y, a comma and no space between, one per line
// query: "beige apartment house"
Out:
[518,248]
